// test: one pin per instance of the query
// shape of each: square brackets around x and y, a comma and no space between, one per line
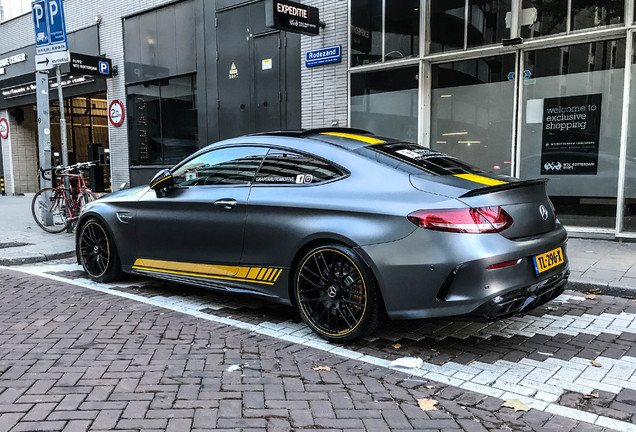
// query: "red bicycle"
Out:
[57,208]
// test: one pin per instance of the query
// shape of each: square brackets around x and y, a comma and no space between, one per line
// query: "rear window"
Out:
[416,159]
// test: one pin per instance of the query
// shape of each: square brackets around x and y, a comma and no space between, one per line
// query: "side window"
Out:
[231,165]
[286,167]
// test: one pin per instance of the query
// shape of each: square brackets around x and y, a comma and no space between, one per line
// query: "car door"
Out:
[196,227]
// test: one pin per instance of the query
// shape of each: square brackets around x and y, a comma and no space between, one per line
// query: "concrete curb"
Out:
[606,288]
[36,259]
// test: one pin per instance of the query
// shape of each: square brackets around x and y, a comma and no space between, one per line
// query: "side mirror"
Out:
[161,180]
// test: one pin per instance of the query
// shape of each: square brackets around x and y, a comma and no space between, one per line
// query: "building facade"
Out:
[529,88]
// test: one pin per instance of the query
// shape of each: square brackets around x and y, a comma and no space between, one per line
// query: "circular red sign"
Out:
[116,113]
[4,128]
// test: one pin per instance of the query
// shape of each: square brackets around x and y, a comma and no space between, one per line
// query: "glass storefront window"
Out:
[629,203]
[446,24]
[162,121]
[487,21]
[366,31]
[472,111]
[551,17]
[571,128]
[402,29]
[386,102]
[401,22]
[588,14]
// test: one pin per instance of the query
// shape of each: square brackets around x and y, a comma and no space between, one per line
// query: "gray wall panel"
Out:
[166,45]
[185,50]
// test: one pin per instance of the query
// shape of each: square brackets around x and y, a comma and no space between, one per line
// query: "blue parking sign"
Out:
[57,27]
[103,68]
[40,17]
[49,25]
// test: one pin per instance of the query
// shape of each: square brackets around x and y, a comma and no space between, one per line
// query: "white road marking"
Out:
[537,384]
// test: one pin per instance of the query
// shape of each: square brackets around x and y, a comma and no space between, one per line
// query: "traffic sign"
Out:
[49,25]
[47,61]
[4,128]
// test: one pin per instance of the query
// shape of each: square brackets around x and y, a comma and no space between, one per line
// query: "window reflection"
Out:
[446,25]
[595,13]
[551,17]
[386,102]
[402,29]
[366,31]
[162,122]
[487,21]
[471,111]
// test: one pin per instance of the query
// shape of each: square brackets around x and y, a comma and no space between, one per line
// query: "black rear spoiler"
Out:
[502,187]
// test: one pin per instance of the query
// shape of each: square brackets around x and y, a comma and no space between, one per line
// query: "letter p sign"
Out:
[103,67]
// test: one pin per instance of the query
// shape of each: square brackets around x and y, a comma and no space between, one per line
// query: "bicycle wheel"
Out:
[84,198]
[49,210]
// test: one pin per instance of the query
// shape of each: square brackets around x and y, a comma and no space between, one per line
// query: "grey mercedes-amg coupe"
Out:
[346,226]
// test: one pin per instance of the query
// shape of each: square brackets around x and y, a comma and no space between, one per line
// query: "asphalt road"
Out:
[143,354]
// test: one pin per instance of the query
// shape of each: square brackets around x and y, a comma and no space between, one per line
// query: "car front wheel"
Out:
[336,294]
[97,252]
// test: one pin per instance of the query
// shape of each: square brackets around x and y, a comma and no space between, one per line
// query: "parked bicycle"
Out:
[57,208]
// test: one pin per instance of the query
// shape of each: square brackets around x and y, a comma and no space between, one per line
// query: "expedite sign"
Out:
[323,56]
[292,17]
[571,130]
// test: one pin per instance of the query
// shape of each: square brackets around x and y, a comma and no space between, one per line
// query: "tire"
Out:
[49,210]
[97,252]
[336,294]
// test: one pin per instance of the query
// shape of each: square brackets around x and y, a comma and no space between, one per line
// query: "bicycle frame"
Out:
[72,201]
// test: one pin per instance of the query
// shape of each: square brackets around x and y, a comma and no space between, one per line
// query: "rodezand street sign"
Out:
[49,25]
[48,60]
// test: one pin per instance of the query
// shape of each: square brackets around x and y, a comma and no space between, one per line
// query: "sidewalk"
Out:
[609,266]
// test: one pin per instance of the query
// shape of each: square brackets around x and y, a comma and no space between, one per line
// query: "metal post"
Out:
[44,131]
[62,118]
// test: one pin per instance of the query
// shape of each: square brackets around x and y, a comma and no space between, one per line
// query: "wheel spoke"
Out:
[354,303]
[349,325]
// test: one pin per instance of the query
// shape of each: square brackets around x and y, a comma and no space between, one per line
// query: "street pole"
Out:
[44,131]
[62,118]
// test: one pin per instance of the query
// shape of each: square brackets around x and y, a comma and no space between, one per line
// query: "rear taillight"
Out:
[466,220]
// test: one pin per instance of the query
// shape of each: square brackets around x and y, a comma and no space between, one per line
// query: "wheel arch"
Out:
[83,220]
[325,240]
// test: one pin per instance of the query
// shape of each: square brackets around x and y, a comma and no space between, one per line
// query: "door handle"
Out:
[226,203]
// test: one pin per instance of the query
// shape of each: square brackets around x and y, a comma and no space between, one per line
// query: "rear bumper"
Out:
[431,274]
[522,300]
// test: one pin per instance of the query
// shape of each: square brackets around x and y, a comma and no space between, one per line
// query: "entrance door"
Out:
[267,82]
[233,71]
[258,74]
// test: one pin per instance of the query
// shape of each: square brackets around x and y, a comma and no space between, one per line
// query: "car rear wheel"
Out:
[336,294]
[97,252]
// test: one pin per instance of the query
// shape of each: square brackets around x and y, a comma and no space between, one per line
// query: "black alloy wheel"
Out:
[336,294]
[97,253]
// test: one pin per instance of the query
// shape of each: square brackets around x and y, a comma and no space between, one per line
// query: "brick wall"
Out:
[324,88]
[24,153]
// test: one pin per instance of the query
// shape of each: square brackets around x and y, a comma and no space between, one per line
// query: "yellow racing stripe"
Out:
[357,137]
[480,179]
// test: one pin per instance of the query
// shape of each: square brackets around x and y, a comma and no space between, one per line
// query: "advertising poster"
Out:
[571,129]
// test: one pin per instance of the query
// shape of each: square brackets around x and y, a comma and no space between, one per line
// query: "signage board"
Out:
[48,60]
[49,26]
[292,17]
[571,130]
[4,128]
[116,113]
[323,56]
[91,65]
[30,88]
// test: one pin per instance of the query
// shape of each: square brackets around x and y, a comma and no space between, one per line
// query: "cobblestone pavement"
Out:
[148,355]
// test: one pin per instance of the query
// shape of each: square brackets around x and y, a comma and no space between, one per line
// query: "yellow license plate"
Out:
[548,260]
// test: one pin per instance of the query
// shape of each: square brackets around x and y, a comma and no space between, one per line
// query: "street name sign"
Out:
[49,60]
[323,56]
[49,25]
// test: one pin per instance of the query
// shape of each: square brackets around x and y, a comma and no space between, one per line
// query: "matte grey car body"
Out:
[259,236]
